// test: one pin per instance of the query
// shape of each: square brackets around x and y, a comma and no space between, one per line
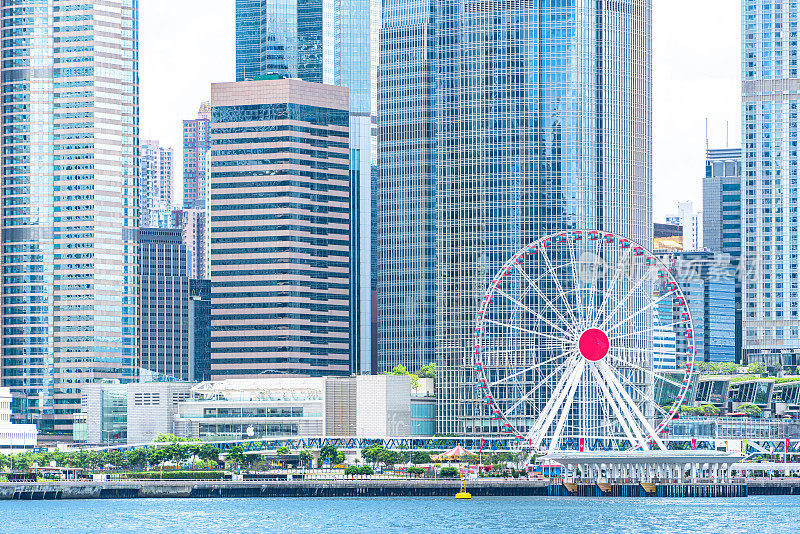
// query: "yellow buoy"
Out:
[463,494]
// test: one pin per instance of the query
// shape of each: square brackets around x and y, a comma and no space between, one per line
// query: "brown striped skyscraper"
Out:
[279,229]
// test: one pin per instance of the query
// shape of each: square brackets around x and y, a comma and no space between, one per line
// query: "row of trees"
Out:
[729,368]
[426,371]
[179,453]
[710,410]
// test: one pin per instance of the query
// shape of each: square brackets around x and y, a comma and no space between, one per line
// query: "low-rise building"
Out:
[152,407]
[357,406]
[113,413]
[103,418]
[14,436]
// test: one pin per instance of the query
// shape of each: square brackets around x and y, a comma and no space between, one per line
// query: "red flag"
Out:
[787,445]
[581,443]
[483,442]
[694,443]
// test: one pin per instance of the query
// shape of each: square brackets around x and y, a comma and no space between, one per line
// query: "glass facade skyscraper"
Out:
[196,145]
[541,116]
[165,326]
[722,215]
[770,99]
[155,185]
[406,189]
[333,42]
[70,189]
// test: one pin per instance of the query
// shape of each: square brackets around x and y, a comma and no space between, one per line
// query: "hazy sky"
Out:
[187,44]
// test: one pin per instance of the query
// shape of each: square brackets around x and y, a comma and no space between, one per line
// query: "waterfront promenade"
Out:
[133,489]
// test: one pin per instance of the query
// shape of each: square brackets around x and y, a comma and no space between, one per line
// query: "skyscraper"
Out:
[165,325]
[770,98]
[722,216]
[334,43]
[280,229]
[70,187]
[542,121]
[195,161]
[195,225]
[155,185]
[406,189]
[708,281]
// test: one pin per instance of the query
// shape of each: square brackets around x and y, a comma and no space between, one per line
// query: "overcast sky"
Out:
[187,44]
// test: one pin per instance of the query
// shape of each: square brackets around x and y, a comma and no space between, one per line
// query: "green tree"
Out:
[709,409]
[388,458]
[757,368]
[352,470]
[136,458]
[209,453]
[427,371]
[400,370]
[448,472]
[283,451]
[157,455]
[331,453]
[420,457]
[235,455]
[751,410]
[306,456]
[416,471]
[370,454]
[366,470]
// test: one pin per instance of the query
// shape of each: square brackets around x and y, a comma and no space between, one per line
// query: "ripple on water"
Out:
[481,514]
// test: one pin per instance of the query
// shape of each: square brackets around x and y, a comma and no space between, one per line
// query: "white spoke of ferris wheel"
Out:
[567,406]
[553,398]
[612,338]
[607,293]
[543,297]
[548,336]
[613,403]
[559,394]
[538,386]
[609,373]
[641,310]
[529,310]
[561,292]
[644,370]
[578,296]
[609,382]
[644,395]
[527,369]
[625,299]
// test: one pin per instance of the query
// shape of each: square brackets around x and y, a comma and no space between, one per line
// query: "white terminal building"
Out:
[271,407]
[357,406]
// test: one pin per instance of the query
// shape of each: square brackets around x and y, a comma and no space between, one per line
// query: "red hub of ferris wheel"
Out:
[594,344]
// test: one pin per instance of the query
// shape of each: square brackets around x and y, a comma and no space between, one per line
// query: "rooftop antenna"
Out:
[727,124]
[706,134]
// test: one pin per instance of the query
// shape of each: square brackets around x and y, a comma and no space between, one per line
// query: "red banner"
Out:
[581,443]
[694,443]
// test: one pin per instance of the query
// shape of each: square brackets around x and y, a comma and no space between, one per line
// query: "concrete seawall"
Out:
[374,488]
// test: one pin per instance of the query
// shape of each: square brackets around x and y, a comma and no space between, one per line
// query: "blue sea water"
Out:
[484,514]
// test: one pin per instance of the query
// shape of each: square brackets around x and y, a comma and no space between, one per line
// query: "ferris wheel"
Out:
[566,338]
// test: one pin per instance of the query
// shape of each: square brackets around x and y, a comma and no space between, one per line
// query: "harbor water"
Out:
[763,514]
